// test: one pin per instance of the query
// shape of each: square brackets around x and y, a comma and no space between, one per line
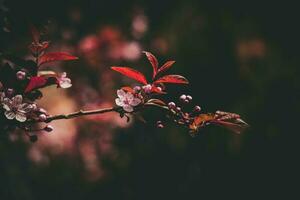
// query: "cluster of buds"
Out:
[177,112]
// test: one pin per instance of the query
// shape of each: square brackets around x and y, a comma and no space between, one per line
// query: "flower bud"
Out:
[48,128]
[137,88]
[182,98]
[42,117]
[147,88]
[10,92]
[186,101]
[189,97]
[178,109]
[160,126]
[197,109]
[21,75]
[34,107]
[42,110]
[171,105]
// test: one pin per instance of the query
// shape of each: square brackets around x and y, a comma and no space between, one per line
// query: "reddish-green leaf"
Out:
[234,127]
[152,59]
[131,73]
[166,66]
[177,79]
[55,56]
[38,82]
[35,83]
[156,102]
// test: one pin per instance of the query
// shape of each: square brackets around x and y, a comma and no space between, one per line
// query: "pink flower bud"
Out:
[172,105]
[42,117]
[147,88]
[34,107]
[197,109]
[178,109]
[21,75]
[48,128]
[137,88]
[42,110]
[160,126]
[182,98]
[189,97]
[186,101]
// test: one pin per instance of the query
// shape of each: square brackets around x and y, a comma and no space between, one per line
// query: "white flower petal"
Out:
[128,108]
[25,107]
[9,114]
[135,102]
[6,107]
[119,102]
[66,83]
[21,117]
[121,94]
[17,100]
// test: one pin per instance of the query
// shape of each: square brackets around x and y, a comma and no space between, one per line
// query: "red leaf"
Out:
[55,56]
[172,79]
[166,66]
[152,59]
[35,82]
[131,73]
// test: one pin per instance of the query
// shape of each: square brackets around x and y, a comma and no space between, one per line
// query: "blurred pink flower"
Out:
[131,51]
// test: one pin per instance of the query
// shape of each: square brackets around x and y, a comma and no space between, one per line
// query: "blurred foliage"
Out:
[239,56]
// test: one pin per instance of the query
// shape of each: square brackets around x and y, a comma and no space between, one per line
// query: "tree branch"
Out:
[82,113]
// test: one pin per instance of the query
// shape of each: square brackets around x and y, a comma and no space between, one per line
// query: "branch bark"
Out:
[82,113]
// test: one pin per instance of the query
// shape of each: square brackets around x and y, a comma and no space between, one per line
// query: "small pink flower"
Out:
[15,108]
[64,81]
[127,100]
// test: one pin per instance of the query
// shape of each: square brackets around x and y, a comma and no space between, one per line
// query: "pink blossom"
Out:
[127,100]
[64,81]
[15,108]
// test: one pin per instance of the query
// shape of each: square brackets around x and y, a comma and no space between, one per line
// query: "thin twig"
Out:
[82,113]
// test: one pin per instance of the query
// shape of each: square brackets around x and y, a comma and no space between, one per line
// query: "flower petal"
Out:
[128,108]
[9,114]
[121,93]
[135,102]
[21,117]
[119,102]
[6,106]
[17,100]
[65,83]
[25,107]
